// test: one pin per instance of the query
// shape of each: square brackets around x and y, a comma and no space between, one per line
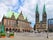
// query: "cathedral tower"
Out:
[36,26]
[37,14]
[44,19]
[44,15]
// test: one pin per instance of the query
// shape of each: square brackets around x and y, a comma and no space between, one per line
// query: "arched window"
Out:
[10,29]
[13,29]
[18,30]
[6,29]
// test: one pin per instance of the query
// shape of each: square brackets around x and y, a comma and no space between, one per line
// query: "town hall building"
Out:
[17,25]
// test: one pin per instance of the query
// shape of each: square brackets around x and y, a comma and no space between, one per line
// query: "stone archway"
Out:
[6,29]
[18,30]
[15,30]
[10,29]
[23,30]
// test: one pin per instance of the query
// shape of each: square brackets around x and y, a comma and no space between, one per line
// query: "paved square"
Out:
[30,36]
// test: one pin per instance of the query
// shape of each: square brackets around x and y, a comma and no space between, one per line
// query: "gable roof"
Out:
[9,14]
[20,16]
[16,15]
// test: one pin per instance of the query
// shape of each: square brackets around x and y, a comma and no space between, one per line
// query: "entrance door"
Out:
[6,29]
[10,29]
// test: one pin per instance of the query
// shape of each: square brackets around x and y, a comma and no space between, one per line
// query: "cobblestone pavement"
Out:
[30,36]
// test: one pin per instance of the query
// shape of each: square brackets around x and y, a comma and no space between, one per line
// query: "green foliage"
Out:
[11,34]
[3,34]
[2,30]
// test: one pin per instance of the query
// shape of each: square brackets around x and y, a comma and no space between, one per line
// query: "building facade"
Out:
[50,25]
[19,24]
[40,25]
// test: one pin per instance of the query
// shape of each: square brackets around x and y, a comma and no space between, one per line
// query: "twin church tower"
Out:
[40,25]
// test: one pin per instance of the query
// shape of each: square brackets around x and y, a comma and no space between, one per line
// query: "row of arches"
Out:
[12,29]
[26,30]
[17,30]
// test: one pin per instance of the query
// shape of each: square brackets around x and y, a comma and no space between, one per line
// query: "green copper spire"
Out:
[44,9]
[26,19]
[36,8]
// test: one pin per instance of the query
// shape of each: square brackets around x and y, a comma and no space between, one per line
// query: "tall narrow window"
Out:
[6,22]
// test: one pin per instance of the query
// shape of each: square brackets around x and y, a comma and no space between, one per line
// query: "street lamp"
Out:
[47,33]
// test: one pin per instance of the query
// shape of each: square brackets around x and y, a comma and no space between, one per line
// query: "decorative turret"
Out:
[20,17]
[26,19]
[13,17]
[21,13]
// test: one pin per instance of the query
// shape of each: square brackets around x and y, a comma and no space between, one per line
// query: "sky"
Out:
[28,8]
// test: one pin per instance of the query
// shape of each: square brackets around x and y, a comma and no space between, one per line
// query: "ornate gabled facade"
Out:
[13,17]
[19,24]
[21,16]
[40,26]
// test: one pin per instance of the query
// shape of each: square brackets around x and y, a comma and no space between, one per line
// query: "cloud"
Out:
[49,8]
[29,10]
[27,7]
[3,10]
[7,5]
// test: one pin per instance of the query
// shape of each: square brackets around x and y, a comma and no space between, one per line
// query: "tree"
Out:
[2,28]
